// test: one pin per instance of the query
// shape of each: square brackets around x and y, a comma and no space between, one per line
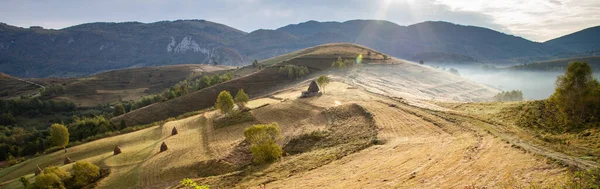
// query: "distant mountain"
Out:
[582,41]
[90,48]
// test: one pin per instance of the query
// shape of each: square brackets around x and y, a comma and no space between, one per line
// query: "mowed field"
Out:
[418,149]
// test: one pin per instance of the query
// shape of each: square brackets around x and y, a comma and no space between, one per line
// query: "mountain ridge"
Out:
[93,47]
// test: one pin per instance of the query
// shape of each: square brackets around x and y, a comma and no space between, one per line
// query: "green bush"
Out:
[263,142]
[189,183]
[62,174]
[85,173]
[47,181]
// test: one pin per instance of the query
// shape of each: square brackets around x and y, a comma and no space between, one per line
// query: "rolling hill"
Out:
[425,82]
[95,47]
[126,84]
[13,87]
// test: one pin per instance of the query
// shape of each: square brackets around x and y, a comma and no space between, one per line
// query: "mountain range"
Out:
[96,47]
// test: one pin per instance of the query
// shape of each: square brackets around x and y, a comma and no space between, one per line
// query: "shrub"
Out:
[263,145]
[189,183]
[224,102]
[62,174]
[24,181]
[85,173]
[48,181]
[340,63]
[119,109]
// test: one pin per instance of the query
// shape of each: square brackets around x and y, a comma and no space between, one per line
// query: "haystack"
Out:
[313,90]
[313,87]
[67,160]
[117,150]
[38,171]
[174,131]
[163,147]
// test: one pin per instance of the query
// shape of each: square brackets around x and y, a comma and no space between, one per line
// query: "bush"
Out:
[85,173]
[24,181]
[340,63]
[189,183]
[62,174]
[47,181]
[263,142]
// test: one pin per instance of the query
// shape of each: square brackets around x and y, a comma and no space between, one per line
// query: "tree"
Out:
[255,63]
[224,102]
[241,98]
[323,81]
[85,173]
[421,62]
[263,142]
[59,135]
[576,95]
[119,109]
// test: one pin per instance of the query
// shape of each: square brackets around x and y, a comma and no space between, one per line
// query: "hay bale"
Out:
[117,150]
[163,147]
[38,171]
[174,131]
[67,160]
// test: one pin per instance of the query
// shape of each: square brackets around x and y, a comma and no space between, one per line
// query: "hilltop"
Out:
[14,87]
[96,47]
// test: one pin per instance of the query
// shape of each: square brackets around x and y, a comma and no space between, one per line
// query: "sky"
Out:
[536,20]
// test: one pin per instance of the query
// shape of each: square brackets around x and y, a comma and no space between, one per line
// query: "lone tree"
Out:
[421,62]
[241,98]
[263,142]
[576,95]
[224,102]
[323,81]
[119,109]
[59,135]
[255,63]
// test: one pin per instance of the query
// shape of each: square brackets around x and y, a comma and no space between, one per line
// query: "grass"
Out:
[235,117]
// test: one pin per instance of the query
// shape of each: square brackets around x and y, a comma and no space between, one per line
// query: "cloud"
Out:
[533,19]
[538,20]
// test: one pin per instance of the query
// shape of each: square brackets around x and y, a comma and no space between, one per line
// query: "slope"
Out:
[580,41]
[126,84]
[260,83]
[14,87]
